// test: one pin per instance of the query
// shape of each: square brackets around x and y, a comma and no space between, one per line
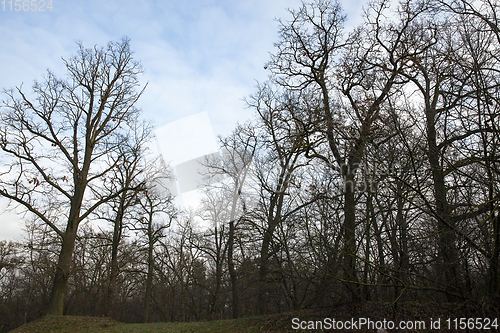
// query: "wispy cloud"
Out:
[199,56]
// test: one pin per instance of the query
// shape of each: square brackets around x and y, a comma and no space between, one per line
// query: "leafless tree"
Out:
[59,142]
[277,163]
[478,25]
[124,178]
[153,214]
[214,240]
[345,83]
[238,150]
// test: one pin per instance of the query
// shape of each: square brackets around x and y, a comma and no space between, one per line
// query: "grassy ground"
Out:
[272,323]
[100,324]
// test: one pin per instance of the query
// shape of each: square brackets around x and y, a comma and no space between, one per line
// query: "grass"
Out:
[270,323]
[102,324]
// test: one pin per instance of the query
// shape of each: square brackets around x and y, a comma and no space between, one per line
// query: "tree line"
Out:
[369,173]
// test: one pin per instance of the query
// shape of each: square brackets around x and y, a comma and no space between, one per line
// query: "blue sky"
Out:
[199,55]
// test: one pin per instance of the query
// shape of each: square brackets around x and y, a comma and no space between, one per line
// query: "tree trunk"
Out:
[219,262]
[230,245]
[382,275]
[369,219]
[63,269]
[404,258]
[149,277]
[447,239]
[495,261]
[113,275]
[232,271]
[56,303]
[215,300]
[264,257]
[349,262]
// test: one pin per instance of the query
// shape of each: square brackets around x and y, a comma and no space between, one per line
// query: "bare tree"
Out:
[276,165]
[479,29]
[124,178]
[153,214]
[238,151]
[214,241]
[345,83]
[58,144]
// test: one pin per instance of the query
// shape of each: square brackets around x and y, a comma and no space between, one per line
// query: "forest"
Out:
[368,174]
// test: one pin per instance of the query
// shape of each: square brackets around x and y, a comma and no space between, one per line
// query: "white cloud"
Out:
[199,56]
[11,223]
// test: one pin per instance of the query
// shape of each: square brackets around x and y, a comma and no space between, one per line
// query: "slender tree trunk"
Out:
[216,299]
[404,258]
[369,221]
[273,220]
[232,271]
[381,259]
[230,245]
[113,275]
[263,270]
[447,238]
[495,260]
[149,277]
[219,263]
[214,310]
[349,262]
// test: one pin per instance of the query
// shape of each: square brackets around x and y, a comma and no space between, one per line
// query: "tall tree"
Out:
[456,80]
[214,241]
[345,84]
[238,151]
[479,27]
[153,214]
[124,178]
[60,142]
[276,164]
